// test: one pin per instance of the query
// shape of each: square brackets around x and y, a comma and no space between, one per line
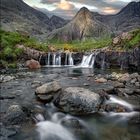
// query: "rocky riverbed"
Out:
[79,101]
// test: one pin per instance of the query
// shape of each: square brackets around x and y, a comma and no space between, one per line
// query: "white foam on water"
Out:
[49,130]
[121,102]
[39,117]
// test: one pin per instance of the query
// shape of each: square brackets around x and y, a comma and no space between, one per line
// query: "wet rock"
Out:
[51,87]
[110,89]
[134,75]
[76,127]
[33,64]
[124,78]
[101,80]
[7,78]
[71,123]
[112,107]
[48,91]
[45,98]
[137,84]
[118,85]
[133,81]
[123,91]
[14,115]
[77,100]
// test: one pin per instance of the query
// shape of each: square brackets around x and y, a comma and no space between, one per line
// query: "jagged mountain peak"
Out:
[83,13]
[84,10]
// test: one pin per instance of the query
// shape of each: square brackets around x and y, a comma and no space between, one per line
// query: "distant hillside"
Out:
[83,25]
[126,20]
[18,16]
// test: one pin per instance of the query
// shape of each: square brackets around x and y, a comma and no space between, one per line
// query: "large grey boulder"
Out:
[77,100]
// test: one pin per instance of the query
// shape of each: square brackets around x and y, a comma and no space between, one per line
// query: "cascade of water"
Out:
[58,60]
[121,102]
[70,62]
[54,57]
[51,131]
[48,62]
[88,60]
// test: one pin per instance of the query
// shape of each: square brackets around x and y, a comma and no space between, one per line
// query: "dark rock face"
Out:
[57,22]
[76,100]
[124,60]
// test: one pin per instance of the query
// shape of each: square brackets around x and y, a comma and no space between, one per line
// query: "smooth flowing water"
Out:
[88,60]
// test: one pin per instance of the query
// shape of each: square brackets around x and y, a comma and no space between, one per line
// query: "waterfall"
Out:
[114,99]
[48,62]
[70,62]
[54,57]
[58,60]
[88,60]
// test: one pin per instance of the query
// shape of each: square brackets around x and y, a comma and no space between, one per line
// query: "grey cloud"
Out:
[49,1]
[100,4]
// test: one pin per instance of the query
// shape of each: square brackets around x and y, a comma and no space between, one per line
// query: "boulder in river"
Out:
[78,101]
[33,64]
[101,80]
[47,91]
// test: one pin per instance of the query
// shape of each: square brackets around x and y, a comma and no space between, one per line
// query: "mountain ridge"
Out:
[17,15]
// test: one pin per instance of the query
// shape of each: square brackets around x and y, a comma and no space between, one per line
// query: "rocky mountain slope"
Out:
[18,16]
[127,19]
[91,24]
[83,25]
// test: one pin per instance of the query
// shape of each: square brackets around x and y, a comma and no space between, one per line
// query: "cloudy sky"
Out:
[68,8]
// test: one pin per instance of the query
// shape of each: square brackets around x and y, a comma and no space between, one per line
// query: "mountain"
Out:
[57,22]
[83,25]
[18,16]
[125,20]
